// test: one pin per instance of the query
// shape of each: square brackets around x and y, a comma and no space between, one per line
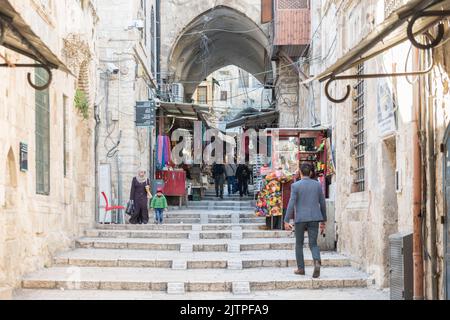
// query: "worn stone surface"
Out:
[33,227]
[292,294]
[175,288]
[241,288]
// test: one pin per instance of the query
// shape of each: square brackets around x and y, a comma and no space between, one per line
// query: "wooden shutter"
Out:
[266,11]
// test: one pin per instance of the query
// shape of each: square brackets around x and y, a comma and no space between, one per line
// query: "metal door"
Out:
[447,206]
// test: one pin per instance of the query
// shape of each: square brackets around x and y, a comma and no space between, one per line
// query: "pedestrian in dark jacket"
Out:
[140,194]
[243,176]
[218,172]
[308,209]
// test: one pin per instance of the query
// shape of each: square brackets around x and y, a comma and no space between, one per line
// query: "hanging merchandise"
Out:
[163,151]
[330,159]
[270,200]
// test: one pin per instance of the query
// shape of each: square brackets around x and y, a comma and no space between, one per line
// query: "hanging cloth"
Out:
[163,151]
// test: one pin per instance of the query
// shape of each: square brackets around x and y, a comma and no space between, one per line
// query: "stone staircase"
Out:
[232,256]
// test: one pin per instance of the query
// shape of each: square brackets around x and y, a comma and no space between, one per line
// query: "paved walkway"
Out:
[219,253]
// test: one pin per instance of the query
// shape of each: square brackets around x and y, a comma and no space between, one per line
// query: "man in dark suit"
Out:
[308,209]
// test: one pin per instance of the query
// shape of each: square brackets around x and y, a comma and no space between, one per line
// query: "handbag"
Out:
[130,208]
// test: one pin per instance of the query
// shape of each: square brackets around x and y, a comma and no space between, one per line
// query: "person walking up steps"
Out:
[308,203]
[230,170]
[159,204]
[140,194]
[218,172]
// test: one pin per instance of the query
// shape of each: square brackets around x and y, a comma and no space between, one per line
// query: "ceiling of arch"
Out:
[206,45]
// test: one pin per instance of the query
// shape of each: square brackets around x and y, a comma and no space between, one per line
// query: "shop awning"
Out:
[184,110]
[390,33]
[16,35]
[294,131]
[263,118]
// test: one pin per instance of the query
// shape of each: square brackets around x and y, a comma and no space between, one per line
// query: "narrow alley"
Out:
[224,150]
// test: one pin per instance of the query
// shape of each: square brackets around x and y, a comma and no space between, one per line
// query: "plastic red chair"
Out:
[108,208]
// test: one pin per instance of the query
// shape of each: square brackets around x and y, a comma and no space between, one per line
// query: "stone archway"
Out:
[216,38]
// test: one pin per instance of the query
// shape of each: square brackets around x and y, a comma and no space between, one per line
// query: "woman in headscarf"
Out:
[140,194]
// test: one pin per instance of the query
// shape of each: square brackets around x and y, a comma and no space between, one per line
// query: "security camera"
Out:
[112,68]
[157,103]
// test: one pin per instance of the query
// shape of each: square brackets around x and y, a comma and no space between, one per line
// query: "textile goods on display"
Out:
[163,151]
[270,200]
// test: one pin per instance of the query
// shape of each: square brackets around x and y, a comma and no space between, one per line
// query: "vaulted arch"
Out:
[214,39]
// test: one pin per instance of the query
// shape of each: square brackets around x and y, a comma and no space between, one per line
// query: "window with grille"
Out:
[293,4]
[202,95]
[359,132]
[42,124]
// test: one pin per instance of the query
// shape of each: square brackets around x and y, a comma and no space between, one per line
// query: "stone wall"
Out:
[438,98]
[124,47]
[35,227]
[366,219]
[287,89]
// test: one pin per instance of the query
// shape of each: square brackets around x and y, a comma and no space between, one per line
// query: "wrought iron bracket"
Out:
[6,22]
[440,33]
[33,65]
[369,76]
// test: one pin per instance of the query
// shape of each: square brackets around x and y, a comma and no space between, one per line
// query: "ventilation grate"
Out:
[292,4]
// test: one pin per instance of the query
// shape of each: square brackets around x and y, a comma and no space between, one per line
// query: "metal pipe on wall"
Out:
[432,193]
[417,190]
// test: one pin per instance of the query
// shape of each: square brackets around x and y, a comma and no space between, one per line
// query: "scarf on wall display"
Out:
[163,151]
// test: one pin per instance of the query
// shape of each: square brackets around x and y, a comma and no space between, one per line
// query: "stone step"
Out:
[193,260]
[209,214]
[234,198]
[217,280]
[183,227]
[350,294]
[228,208]
[219,203]
[212,220]
[203,245]
[183,234]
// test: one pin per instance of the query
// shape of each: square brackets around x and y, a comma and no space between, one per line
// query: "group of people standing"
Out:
[236,176]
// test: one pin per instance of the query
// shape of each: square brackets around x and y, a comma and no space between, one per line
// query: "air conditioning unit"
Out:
[401,266]
[178,92]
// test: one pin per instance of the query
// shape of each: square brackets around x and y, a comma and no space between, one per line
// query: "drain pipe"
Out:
[417,190]
[432,195]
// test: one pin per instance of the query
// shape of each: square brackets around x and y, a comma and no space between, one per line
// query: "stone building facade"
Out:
[128,67]
[372,138]
[44,208]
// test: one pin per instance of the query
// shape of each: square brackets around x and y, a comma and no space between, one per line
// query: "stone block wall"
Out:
[35,227]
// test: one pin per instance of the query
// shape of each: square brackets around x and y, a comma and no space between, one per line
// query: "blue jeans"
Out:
[230,184]
[159,215]
[313,233]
